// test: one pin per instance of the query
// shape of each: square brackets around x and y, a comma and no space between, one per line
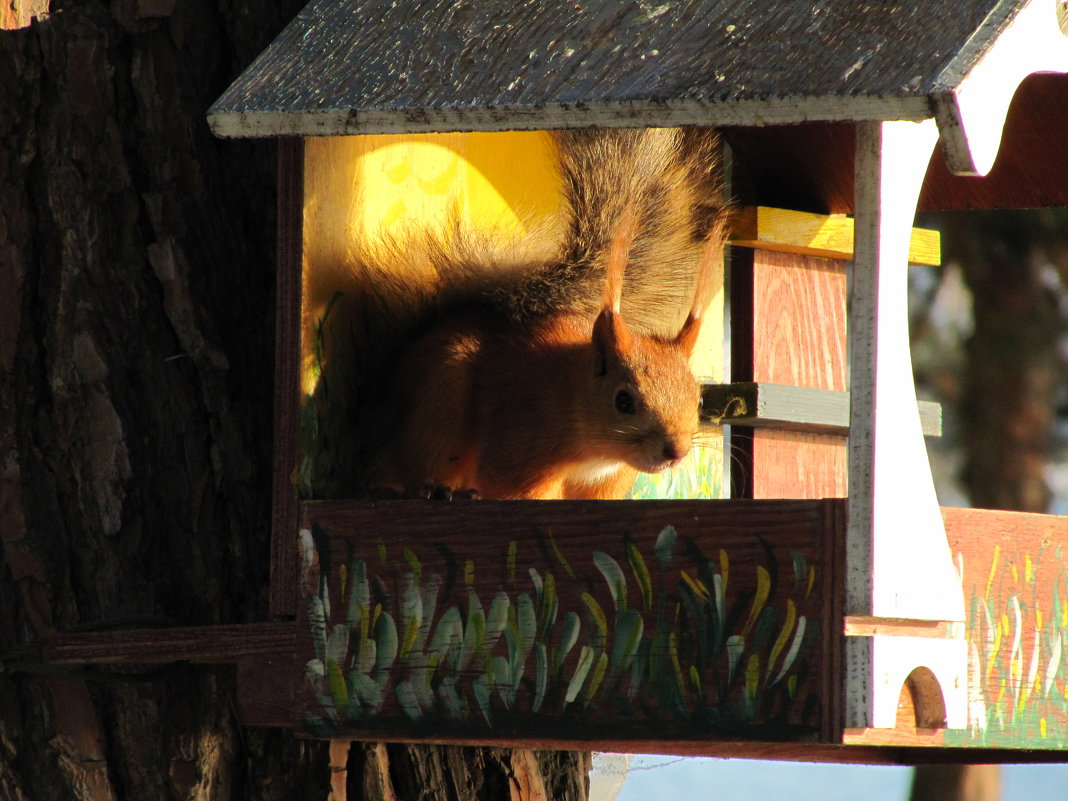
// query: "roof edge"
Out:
[757,112]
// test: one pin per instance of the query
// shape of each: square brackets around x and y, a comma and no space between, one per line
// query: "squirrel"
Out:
[553,375]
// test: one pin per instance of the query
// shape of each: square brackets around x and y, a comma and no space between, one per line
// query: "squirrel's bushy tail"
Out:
[393,288]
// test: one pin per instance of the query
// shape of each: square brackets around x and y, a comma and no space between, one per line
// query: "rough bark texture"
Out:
[136,357]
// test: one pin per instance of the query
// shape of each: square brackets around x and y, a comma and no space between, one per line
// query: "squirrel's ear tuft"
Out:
[611,339]
[686,339]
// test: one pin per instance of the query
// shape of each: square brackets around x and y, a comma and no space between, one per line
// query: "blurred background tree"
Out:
[989,343]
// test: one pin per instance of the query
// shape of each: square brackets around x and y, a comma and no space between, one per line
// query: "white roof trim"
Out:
[971,117]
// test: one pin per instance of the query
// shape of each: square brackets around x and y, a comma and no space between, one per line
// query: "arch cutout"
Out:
[921,704]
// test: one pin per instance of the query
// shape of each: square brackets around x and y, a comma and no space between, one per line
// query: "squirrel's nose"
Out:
[673,453]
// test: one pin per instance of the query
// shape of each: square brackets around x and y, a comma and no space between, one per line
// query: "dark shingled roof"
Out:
[375,66]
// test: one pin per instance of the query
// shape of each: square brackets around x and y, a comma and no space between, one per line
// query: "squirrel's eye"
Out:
[625,402]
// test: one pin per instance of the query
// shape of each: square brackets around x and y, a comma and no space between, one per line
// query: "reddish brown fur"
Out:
[503,371]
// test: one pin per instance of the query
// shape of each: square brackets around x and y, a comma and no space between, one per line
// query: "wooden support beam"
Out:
[898,560]
[763,405]
[201,644]
[823,235]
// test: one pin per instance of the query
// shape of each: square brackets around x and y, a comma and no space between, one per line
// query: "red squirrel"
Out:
[565,377]
[566,407]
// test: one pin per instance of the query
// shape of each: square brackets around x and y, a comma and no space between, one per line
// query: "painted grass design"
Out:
[699,476]
[1018,647]
[666,637]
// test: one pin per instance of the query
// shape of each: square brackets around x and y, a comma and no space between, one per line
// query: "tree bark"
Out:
[136,360]
[1012,358]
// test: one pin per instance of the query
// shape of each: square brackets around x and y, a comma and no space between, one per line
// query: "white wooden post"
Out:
[899,565]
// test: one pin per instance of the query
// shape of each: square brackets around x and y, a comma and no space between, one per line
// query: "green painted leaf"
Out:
[641,576]
[569,634]
[502,680]
[664,550]
[448,636]
[628,635]
[365,658]
[549,607]
[600,622]
[430,605]
[535,578]
[407,700]
[411,614]
[365,691]
[481,690]
[317,622]
[359,598]
[527,621]
[474,637]
[586,657]
[414,565]
[599,669]
[335,679]
[613,575]
[450,699]
[560,558]
[735,649]
[497,618]
[541,675]
[793,651]
[337,643]
[386,645]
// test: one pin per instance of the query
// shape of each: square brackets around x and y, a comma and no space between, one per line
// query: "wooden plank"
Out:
[265,689]
[870,626]
[799,321]
[763,405]
[798,339]
[425,65]
[644,620]
[1011,566]
[892,548]
[200,644]
[286,377]
[821,235]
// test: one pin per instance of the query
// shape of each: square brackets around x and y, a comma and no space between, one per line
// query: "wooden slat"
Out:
[798,338]
[265,689]
[869,626]
[822,235]
[764,574]
[207,644]
[286,377]
[763,405]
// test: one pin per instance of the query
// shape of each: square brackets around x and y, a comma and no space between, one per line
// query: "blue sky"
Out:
[698,779]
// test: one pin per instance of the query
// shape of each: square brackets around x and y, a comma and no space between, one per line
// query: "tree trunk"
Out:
[136,359]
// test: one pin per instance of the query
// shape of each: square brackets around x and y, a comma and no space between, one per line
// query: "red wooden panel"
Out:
[799,339]
[1016,601]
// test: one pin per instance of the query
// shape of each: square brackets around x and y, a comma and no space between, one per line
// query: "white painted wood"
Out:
[894,658]
[971,112]
[898,562]
[762,111]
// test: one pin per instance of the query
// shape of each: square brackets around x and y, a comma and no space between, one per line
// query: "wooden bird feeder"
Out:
[830,610]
